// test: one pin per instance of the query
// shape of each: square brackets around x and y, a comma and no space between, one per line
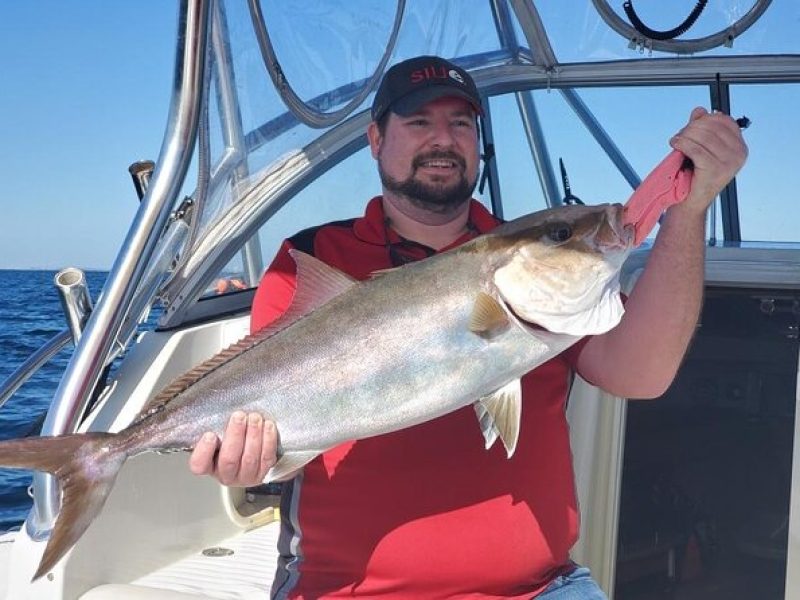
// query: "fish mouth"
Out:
[615,234]
[628,235]
[533,328]
[519,319]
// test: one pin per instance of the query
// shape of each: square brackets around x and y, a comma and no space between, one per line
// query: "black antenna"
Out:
[569,197]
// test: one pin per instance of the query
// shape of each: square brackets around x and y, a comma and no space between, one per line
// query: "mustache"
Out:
[439,155]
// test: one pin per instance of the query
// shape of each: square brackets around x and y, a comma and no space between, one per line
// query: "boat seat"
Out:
[245,574]
[122,591]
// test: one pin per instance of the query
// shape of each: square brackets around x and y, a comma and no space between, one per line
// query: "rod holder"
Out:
[75,299]
[140,172]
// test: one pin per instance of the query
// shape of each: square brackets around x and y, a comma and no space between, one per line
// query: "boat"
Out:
[696,494]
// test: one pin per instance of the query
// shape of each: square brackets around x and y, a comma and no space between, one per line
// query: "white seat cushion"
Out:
[119,591]
[245,574]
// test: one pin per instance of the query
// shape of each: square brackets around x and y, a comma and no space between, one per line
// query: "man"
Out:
[427,512]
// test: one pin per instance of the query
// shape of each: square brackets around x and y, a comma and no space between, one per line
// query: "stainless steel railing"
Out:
[101,331]
[77,304]
[33,363]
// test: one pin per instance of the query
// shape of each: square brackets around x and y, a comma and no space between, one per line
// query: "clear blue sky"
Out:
[84,92]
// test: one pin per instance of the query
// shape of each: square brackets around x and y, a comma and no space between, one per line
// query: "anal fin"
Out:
[499,415]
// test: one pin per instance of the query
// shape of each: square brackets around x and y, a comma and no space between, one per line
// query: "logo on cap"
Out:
[434,72]
[456,75]
[413,82]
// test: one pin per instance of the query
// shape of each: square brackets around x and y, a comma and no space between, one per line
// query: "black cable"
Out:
[663,35]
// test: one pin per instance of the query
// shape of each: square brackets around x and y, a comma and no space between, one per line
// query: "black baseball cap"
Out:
[410,84]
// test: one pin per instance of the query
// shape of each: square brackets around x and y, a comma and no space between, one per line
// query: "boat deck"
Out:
[240,568]
[6,539]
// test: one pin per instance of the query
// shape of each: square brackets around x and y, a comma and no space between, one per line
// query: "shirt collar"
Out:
[371,228]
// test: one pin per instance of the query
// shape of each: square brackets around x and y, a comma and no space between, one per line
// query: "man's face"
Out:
[430,157]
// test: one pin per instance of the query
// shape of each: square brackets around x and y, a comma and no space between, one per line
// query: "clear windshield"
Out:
[327,53]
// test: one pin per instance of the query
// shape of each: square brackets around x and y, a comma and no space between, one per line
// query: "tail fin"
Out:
[85,466]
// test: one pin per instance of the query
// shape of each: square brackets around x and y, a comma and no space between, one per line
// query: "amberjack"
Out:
[354,359]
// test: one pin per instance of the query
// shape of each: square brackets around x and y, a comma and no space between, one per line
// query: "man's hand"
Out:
[640,357]
[714,143]
[247,451]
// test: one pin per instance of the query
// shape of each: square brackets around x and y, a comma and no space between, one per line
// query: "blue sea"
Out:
[30,314]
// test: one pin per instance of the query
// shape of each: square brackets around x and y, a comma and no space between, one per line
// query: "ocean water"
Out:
[30,314]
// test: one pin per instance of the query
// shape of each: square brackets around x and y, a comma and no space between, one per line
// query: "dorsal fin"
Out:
[195,374]
[317,283]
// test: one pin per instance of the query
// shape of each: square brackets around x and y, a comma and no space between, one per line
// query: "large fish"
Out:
[352,359]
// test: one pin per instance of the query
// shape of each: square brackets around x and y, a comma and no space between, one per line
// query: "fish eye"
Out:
[559,232]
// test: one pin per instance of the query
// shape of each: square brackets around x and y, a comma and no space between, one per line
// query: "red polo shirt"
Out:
[425,512]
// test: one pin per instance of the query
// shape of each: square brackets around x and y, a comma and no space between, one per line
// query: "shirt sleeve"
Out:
[276,289]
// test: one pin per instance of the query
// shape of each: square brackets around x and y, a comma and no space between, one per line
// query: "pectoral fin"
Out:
[499,415]
[289,463]
[488,316]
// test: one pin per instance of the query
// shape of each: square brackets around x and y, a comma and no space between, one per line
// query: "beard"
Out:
[435,197]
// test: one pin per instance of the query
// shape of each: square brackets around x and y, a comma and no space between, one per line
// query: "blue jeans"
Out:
[575,585]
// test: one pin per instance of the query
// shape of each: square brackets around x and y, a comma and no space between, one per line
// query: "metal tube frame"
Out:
[233,131]
[87,363]
[490,162]
[538,146]
[311,162]
[536,36]
[505,27]
[539,44]
[545,57]
[304,111]
[33,363]
[601,136]
[729,203]
[724,37]
[783,68]
[508,41]
[494,80]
